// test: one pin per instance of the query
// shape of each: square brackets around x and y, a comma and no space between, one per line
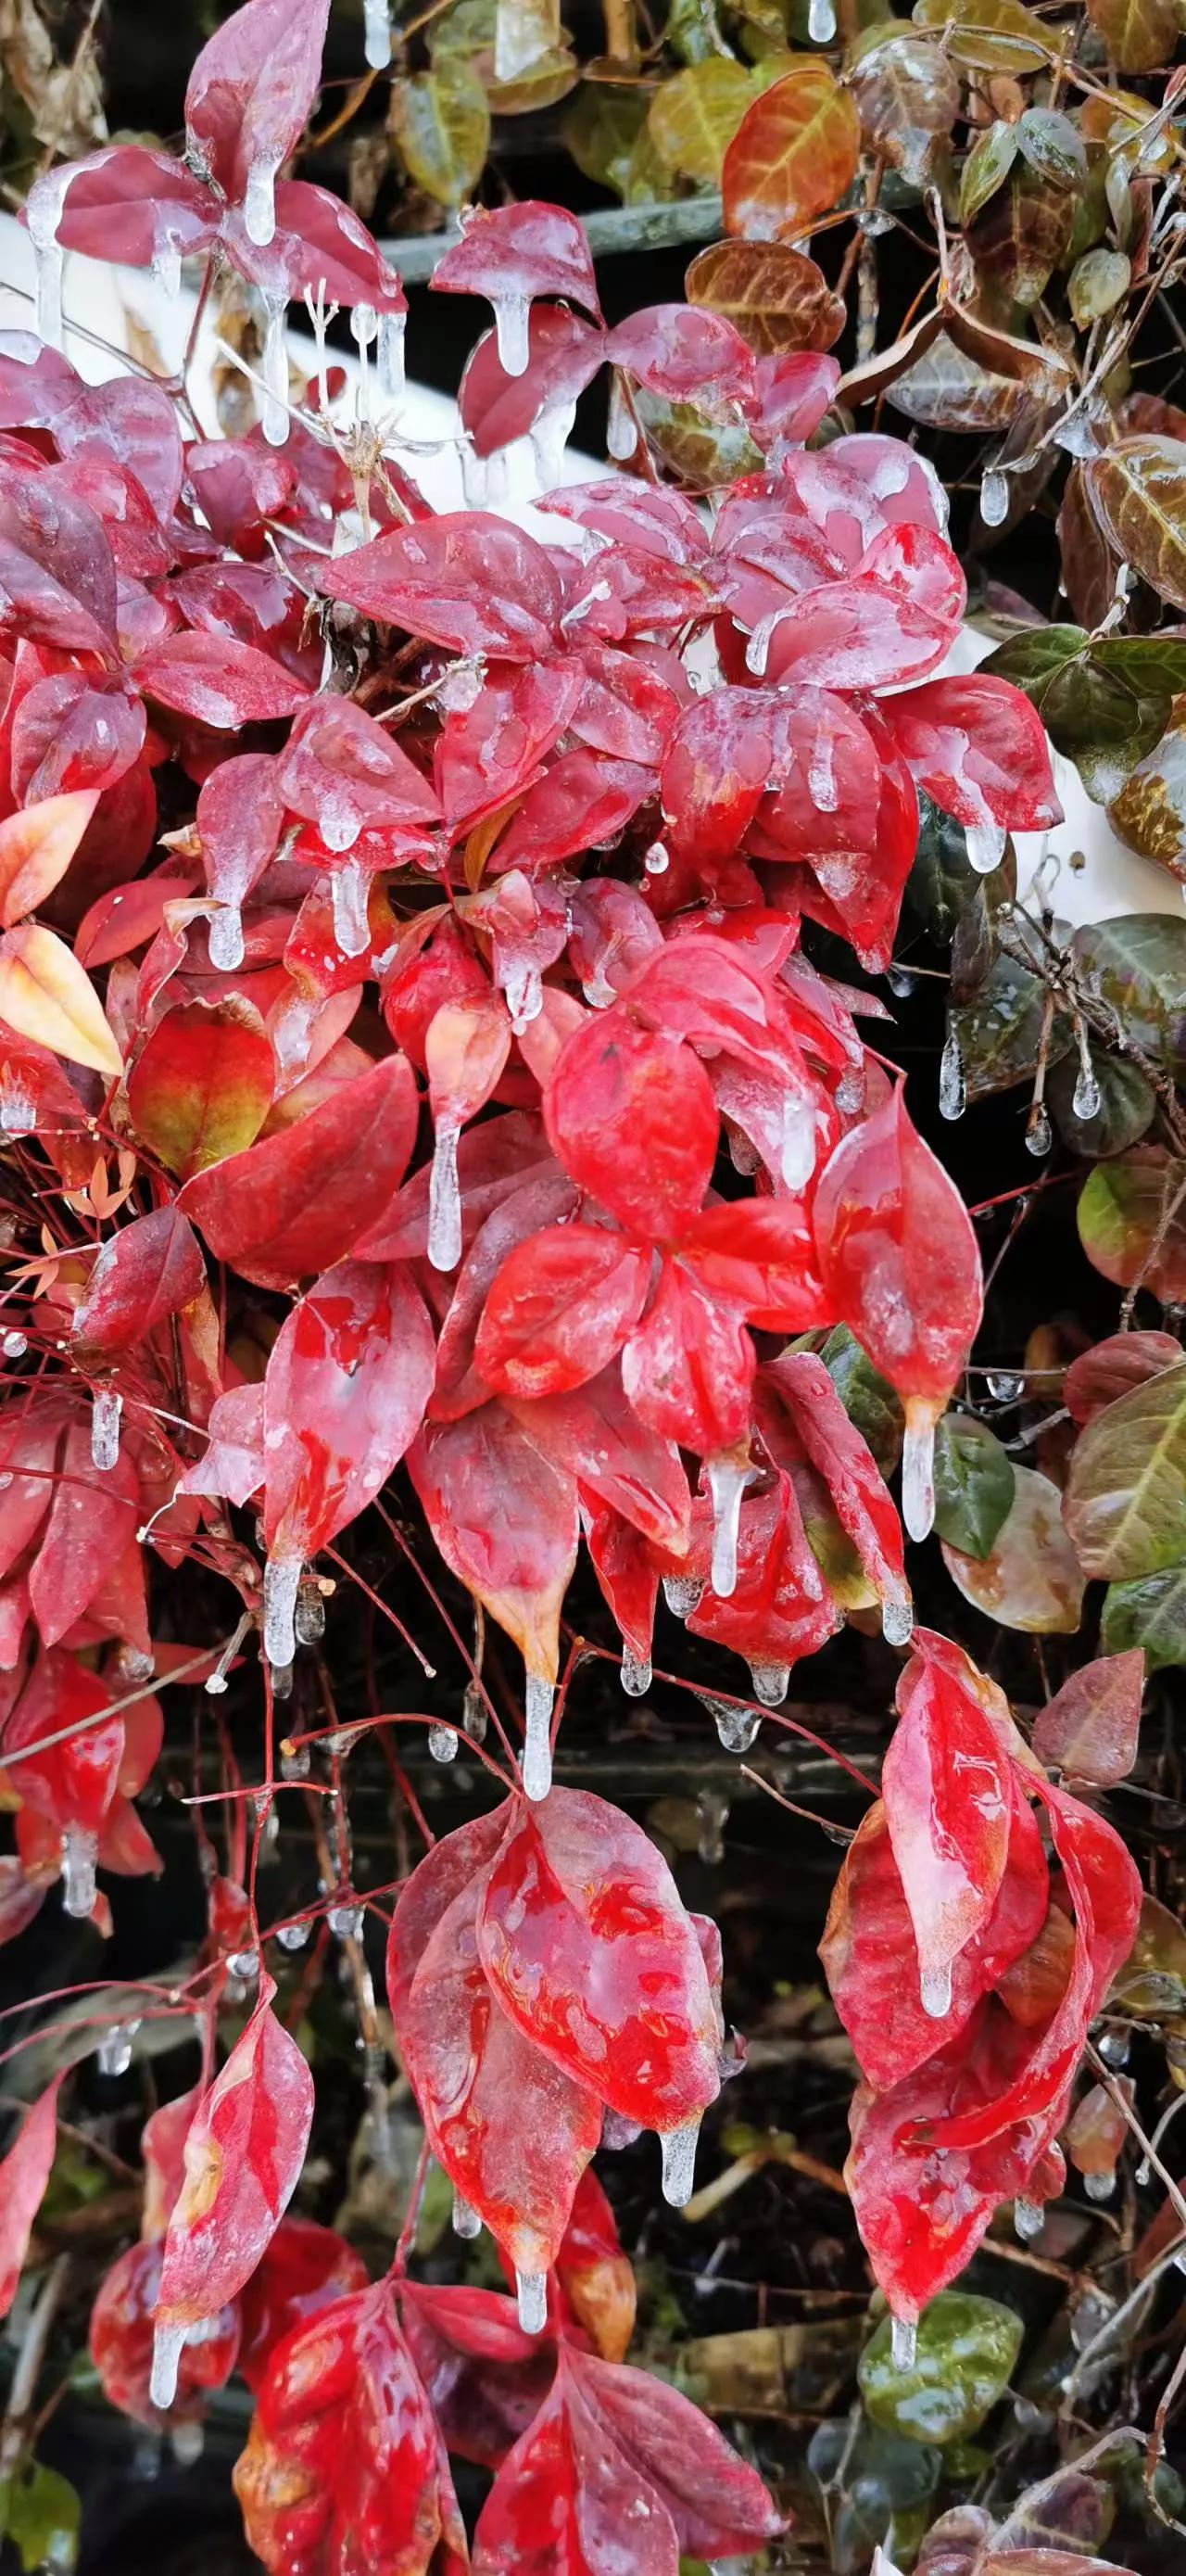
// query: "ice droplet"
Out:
[797,1143]
[274,370]
[15,1346]
[364,327]
[511,331]
[536,1764]
[165,264]
[636,1674]
[550,435]
[442,1743]
[1005,1385]
[389,353]
[1100,2186]
[296,1765]
[187,2441]
[523,987]
[618,2132]
[224,938]
[897,1618]
[292,1936]
[531,2291]
[1038,1137]
[657,859]
[79,1854]
[106,1408]
[1086,1097]
[994,497]
[243,1965]
[474,477]
[682,1594]
[771,1683]
[466,2221]
[985,845]
[953,1097]
[349,889]
[1115,2048]
[621,435]
[444,1202]
[757,651]
[113,2055]
[282,1577]
[346,1921]
[850,1090]
[1029,2218]
[679,2162]
[903,2343]
[918,1475]
[474,1718]
[259,203]
[901,982]
[727,1480]
[713,1812]
[935,1991]
[168,2344]
[821,22]
[736,1727]
[377,34]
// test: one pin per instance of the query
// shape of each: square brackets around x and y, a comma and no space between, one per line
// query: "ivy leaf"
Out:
[964,2358]
[441,123]
[1030,1578]
[974,1484]
[1132,1222]
[1125,1501]
[774,295]
[793,157]
[1138,489]
[908,96]
[601,130]
[1091,1726]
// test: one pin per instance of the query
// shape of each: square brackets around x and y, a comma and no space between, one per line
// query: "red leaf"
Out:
[216,681]
[121,2337]
[295,1203]
[141,1275]
[798,1385]
[980,750]
[304,2269]
[593,1434]
[343,773]
[1091,1727]
[856,634]
[716,773]
[57,571]
[239,820]
[458,1388]
[485,2379]
[24,2174]
[249,94]
[36,848]
[491,750]
[560,1307]
[92,1517]
[316,242]
[624,708]
[581,799]
[243,2157]
[780,1607]
[234,1465]
[505,1521]
[758,1255]
[688,1369]
[517,252]
[564,355]
[128,205]
[644,516]
[465,580]
[69,734]
[947,1802]
[632,1119]
[596,2277]
[202,1084]
[1113,1367]
[684,353]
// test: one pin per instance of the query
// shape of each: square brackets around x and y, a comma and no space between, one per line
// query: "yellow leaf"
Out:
[45,995]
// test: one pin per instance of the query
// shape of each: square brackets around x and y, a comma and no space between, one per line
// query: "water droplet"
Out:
[292,1936]
[850,1090]
[897,1619]
[727,1480]
[935,1991]
[244,1966]
[757,651]
[512,315]
[821,766]
[15,1346]
[274,371]
[1038,1138]
[953,1097]
[736,1727]
[536,1764]
[636,1674]
[444,1202]
[531,2291]
[297,1764]
[679,2162]
[473,1713]
[1114,2047]
[282,1580]
[821,22]
[903,2343]
[281,1681]
[985,845]
[466,2221]
[377,34]
[1086,1097]
[106,1408]
[682,1593]
[168,2344]
[79,1855]
[771,1683]
[187,2441]
[918,1474]
[442,1743]
[1100,2186]
[994,497]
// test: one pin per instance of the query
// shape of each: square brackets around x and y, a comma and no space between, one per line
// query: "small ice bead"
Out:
[897,1619]
[292,1936]
[550,435]
[531,2291]
[1038,1136]
[903,2343]
[1086,1098]
[679,2162]
[985,845]
[821,22]
[757,650]
[15,1346]
[727,1480]
[797,1144]
[994,497]
[259,203]
[1029,2218]
[523,987]
[442,1743]
[1005,1385]
[537,1745]
[918,1474]
[636,1674]
[282,1582]
[621,436]
[165,265]
[953,1095]
[512,315]
[309,1616]
[168,2344]
[466,2221]
[224,939]
[113,2055]
[244,1964]
[736,1727]
[474,1716]
[656,859]
[771,1683]
[352,929]
[188,2441]
[106,1409]
[376,34]
[935,1991]
[1100,2186]
[444,1202]
[79,1855]
[682,1594]
[345,1921]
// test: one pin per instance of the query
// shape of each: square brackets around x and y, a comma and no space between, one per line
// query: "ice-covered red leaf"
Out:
[343,772]
[239,819]
[490,751]
[466,580]
[303,2270]
[46,995]
[594,1434]
[202,1084]
[980,750]
[297,1202]
[564,354]
[716,773]
[243,2157]
[505,1521]
[36,848]
[24,2174]
[947,1807]
[515,253]
[127,204]
[857,634]
[800,1389]
[780,1607]
[249,94]
[1091,1726]
[587,1946]
[120,2343]
[793,156]
[233,1464]
[217,681]
[580,800]
[57,571]
[141,1275]
[316,242]
[71,732]
[561,1305]
[685,354]
[92,1518]
[484,2377]
[1113,1367]
[632,1119]
[597,2278]
[688,1367]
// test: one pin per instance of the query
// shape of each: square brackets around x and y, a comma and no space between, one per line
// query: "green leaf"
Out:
[40,2514]
[1125,1501]
[1140,35]
[966,2351]
[974,1483]
[691,34]
[1031,1578]
[987,166]
[943,882]
[1152,665]
[868,1399]
[601,129]
[1127,1103]
[1150,1613]
[441,122]
[695,115]
[990,35]
[1096,284]
[1049,143]
[877,2483]
[1000,1029]
[1132,1222]
[1138,965]
[1030,659]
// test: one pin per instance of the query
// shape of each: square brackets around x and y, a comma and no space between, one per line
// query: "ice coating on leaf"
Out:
[952,1090]
[903,2343]
[900,1259]
[243,2156]
[636,1674]
[466,2222]
[274,367]
[348,887]
[935,1990]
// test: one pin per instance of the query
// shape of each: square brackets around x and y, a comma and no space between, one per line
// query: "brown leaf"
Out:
[1090,1728]
[1138,490]
[1139,34]
[775,296]
[1022,235]
[793,157]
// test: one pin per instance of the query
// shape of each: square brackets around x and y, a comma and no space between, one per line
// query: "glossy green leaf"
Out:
[974,1484]
[40,2515]
[1097,284]
[1030,659]
[1150,1613]
[1147,801]
[1132,1222]
[1137,963]
[999,1031]
[987,167]
[943,882]
[441,123]
[1125,1501]
[601,128]
[868,1399]
[1050,145]
[1031,1579]
[877,2483]
[966,2351]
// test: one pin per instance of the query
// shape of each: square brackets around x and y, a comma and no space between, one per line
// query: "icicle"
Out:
[1038,1138]
[985,845]
[821,22]
[377,34]
[994,497]
[636,1674]
[953,1097]
[713,1812]
[771,1683]
[187,2441]
[466,2221]
[274,370]
[523,988]
[168,2344]
[726,1483]
[498,476]
[736,1727]
[165,265]
[18,1109]
[15,1346]
[797,1143]
[821,768]
[349,888]
[113,2055]
[475,477]
[679,2163]
[918,1474]
[897,1619]
[389,355]
[537,1748]
[1029,2218]
[282,1578]
[757,650]
[935,1992]
[511,330]
[621,435]
[43,214]
[224,938]
[550,435]
[106,1408]
[1100,2186]
[79,1854]
[293,1936]
[442,1743]
[444,1202]
[531,2290]
[903,2343]
[282,1681]
[1086,1099]
[656,859]
[259,203]
[682,1594]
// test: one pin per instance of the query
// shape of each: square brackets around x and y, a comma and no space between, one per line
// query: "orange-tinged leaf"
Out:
[23,2177]
[202,1085]
[45,995]
[1139,34]
[1138,491]
[1090,1728]
[36,847]
[793,156]
[775,296]
[694,116]
[990,35]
